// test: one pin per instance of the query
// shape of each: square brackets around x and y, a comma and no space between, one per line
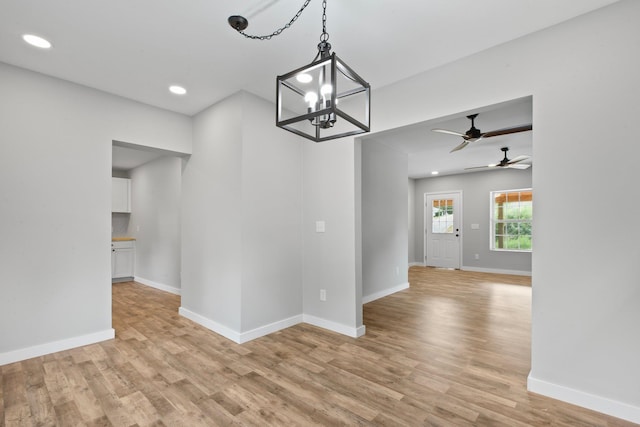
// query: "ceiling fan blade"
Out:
[450,132]
[461,146]
[517,159]
[506,131]
[519,166]
[481,167]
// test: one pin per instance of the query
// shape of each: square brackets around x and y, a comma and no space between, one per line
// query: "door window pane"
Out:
[442,216]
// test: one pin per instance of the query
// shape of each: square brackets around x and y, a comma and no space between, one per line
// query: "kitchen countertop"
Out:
[122,239]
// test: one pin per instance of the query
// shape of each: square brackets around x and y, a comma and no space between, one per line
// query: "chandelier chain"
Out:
[280,30]
[324,36]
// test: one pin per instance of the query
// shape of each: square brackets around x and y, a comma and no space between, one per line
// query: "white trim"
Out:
[55,346]
[270,328]
[496,270]
[333,326]
[417,264]
[243,337]
[586,400]
[240,337]
[162,287]
[210,324]
[384,293]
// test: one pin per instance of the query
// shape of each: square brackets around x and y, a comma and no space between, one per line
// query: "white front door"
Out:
[442,221]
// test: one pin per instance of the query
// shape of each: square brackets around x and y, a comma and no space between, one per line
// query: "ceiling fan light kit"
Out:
[323,100]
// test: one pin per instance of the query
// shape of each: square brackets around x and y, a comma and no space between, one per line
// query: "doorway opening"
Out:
[153,222]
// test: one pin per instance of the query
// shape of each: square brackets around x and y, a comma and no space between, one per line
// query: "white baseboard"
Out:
[243,337]
[496,270]
[482,269]
[333,326]
[586,400]
[55,346]
[162,287]
[235,336]
[384,293]
[210,324]
[270,328]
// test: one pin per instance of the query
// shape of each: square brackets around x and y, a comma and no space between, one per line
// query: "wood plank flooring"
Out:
[453,350]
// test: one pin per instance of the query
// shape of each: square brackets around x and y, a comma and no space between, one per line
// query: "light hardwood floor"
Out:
[453,350]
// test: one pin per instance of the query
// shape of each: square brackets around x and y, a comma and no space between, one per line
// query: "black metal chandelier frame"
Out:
[330,90]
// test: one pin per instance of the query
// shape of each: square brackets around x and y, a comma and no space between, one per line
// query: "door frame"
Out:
[427,222]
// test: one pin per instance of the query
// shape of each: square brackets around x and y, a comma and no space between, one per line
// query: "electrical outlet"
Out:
[323,294]
[397,271]
[477,256]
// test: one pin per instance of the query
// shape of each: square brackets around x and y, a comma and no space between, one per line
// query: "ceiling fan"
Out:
[475,134]
[506,163]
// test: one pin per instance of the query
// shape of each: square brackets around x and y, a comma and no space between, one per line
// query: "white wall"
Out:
[583,78]
[55,193]
[384,220]
[271,217]
[329,195]
[476,210]
[242,215]
[211,216]
[155,222]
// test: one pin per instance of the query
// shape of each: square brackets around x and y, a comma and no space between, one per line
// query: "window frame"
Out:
[493,222]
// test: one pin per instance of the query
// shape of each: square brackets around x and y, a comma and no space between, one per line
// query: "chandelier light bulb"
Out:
[311,98]
[325,91]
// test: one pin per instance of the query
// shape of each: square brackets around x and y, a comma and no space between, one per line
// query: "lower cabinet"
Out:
[122,259]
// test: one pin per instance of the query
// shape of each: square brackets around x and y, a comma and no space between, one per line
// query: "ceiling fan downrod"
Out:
[473,132]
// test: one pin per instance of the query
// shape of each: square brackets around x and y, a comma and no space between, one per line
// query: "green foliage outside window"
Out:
[512,217]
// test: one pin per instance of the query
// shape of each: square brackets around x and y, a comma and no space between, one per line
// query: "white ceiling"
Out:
[136,49]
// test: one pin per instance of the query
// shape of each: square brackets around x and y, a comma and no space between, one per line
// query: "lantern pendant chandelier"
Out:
[320,101]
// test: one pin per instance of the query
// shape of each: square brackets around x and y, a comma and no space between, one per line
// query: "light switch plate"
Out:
[320,227]
[475,226]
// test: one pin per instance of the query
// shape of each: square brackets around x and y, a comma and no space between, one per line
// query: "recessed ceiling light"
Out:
[36,41]
[178,90]
[304,78]
[435,173]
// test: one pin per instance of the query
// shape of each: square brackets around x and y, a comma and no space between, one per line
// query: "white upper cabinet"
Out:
[121,195]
